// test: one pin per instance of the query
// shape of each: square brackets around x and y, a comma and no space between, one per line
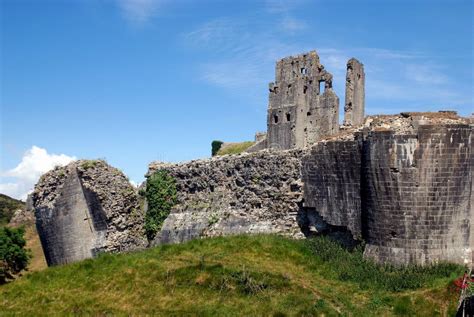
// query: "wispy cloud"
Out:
[242,58]
[23,177]
[291,24]
[139,12]
[426,74]
[281,6]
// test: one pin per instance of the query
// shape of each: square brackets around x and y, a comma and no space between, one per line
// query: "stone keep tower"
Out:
[302,104]
[355,93]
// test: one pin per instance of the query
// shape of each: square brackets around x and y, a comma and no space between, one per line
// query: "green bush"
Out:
[216,146]
[161,196]
[13,255]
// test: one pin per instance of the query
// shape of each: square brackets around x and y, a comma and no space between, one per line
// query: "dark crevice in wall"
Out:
[312,224]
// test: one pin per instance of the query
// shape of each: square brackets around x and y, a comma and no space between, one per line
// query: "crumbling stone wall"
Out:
[354,108]
[234,194]
[299,113]
[86,208]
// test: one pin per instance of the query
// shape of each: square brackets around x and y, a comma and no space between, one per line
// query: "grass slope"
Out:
[234,148]
[234,276]
[8,206]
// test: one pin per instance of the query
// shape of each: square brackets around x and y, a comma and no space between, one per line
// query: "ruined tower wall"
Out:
[331,176]
[86,208]
[417,200]
[66,230]
[354,108]
[299,113]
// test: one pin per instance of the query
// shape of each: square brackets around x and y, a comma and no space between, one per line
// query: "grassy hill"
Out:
[234,148]
[8,206]
[235,276]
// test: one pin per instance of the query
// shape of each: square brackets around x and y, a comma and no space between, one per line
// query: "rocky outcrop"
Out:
[248,193]
[22,217]
[85,208]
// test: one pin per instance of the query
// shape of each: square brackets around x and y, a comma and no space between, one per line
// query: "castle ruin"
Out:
[402,183]
[303,107]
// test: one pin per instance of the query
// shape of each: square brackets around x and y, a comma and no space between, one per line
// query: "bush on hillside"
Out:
[161,196]
[13,255]
[216,146]
[8,206]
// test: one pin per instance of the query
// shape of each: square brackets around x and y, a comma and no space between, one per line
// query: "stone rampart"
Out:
[235,194]
[417,201]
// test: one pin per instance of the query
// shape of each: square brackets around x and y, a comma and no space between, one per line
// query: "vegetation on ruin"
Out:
[161,196]
[235,148]
[8,206]
[13,254]
[87,164]
[215,146]
[234,276]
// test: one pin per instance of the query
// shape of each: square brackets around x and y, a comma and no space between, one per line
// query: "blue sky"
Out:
[134,81]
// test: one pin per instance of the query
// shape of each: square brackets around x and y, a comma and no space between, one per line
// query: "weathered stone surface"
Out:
[331,177]
[85,208]
[417,203]
[403,184]
[299,112]
[354,108]
[249,193]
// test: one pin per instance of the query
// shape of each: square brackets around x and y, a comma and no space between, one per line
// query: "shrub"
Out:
[216,146]
[161,196]
[13,255]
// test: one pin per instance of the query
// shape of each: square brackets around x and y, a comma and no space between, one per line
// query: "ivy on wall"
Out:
[161,197]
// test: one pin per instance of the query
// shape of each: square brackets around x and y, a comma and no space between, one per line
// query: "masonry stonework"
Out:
[354,108]
[403,183]
[417,204]
[249,193]
[302,104]
[84,209]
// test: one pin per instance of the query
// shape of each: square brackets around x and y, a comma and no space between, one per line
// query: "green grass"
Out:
[233,276]
[234,148]
[8,206]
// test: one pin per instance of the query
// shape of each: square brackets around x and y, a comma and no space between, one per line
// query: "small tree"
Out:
[216,146]
[13,255]
[161,196]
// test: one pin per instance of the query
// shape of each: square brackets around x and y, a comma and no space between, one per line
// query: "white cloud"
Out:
[35,162]
[134,184]
[139,12]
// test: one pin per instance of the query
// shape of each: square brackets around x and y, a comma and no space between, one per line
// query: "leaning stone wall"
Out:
[235,194]
[417,203]
[86,208]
